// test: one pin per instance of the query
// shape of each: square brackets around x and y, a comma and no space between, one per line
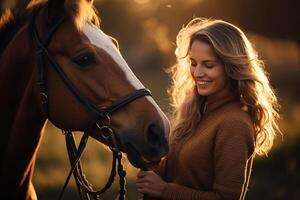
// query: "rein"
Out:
[101,119]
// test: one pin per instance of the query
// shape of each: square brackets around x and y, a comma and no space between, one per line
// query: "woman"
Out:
[225,112]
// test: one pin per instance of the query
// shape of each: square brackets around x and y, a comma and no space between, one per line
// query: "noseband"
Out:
[101,118]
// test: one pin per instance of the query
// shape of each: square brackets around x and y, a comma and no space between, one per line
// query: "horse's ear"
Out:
[55,8]
[20,7]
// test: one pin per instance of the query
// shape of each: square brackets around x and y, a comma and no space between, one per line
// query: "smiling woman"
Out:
[59,65]
[225,112]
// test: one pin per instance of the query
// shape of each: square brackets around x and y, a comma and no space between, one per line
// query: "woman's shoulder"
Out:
[236,122]
[235,128]
[234,113]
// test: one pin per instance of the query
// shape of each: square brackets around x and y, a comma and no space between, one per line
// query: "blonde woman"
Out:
[225,112]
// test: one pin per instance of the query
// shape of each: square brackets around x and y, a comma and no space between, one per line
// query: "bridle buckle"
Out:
[43,97]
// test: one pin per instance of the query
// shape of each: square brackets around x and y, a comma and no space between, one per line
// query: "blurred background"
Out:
[146,31]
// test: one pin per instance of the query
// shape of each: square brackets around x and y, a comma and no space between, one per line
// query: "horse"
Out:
[56,64]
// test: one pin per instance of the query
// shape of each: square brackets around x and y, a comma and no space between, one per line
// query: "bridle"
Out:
[101,118]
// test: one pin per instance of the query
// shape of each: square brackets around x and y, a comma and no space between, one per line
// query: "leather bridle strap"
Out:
[123,101]
[82,183]
[72,152]
[41,49]
[77,154]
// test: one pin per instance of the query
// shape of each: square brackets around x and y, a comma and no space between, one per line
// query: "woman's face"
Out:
[207,70]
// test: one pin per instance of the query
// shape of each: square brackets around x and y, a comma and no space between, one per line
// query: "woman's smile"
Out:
[202,83]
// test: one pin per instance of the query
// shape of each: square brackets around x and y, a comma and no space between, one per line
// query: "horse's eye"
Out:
[85,60]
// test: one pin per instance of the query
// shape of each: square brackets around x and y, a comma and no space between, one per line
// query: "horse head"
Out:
[95,67]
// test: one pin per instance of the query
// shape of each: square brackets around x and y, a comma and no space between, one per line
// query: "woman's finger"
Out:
[142,190]
[141,174]
[142,185]
[141,181]
[139,185]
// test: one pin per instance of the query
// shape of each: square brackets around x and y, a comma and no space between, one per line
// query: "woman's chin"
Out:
[203,92]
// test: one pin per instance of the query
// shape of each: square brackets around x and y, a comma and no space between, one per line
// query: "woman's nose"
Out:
[198,72]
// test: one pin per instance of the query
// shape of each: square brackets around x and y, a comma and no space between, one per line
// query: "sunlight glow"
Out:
[141,1]
[159,33]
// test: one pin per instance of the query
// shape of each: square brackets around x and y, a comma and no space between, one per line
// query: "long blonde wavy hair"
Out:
[245,70]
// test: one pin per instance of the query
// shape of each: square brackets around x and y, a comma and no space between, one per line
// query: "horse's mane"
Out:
[80,10]
[9,25]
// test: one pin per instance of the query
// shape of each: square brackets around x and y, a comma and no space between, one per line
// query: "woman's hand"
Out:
[148,182]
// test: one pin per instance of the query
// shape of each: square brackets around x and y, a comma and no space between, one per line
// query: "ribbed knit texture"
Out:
[210,163]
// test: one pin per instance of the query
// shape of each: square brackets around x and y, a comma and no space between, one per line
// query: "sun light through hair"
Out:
[242,65]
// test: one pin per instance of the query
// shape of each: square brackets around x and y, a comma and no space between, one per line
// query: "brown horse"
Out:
[94,68]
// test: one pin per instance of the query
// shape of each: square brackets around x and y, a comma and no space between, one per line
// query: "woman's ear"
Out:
[56,8]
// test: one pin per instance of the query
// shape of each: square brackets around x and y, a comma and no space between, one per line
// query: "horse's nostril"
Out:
[154,135]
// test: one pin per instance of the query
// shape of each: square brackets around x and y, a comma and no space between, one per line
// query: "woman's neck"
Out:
[216,100]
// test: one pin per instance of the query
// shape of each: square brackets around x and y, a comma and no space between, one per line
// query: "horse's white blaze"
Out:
[103,41]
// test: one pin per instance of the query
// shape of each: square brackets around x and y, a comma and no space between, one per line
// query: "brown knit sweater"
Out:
[211,163]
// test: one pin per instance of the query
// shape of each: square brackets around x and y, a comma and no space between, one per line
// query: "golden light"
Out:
[141,1]
[159,33]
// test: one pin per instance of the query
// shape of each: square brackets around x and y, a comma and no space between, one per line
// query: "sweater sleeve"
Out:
[234,144]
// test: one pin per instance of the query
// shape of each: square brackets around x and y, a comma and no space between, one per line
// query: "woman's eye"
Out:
[210,65]
[85,60]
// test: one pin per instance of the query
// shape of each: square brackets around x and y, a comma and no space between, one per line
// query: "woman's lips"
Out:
[203,83]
